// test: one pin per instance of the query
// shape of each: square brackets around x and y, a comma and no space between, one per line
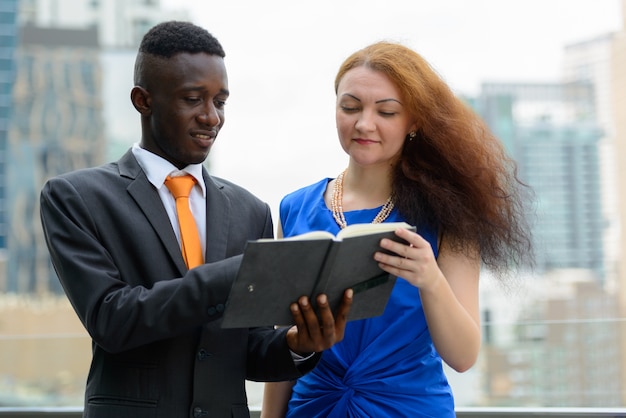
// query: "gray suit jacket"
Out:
[158,348]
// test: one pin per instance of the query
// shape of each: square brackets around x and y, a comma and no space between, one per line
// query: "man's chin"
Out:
[199,157]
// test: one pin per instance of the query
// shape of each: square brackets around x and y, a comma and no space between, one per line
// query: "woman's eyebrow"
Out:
[391,99]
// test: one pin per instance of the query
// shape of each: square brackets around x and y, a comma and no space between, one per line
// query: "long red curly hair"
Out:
[455,174]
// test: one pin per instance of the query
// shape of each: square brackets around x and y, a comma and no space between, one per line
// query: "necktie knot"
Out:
[180,186]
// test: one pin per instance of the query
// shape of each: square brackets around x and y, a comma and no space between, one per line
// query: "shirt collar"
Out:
[158,168]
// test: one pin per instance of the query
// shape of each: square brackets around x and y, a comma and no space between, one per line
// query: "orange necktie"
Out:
[181,186]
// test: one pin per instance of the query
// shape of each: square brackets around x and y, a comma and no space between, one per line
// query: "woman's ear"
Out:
[140,98]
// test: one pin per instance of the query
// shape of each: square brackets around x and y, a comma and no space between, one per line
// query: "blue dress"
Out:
[386,366]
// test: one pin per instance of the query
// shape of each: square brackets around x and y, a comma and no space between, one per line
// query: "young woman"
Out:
[420,155]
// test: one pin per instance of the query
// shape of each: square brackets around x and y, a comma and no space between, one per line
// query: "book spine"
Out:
[325,272]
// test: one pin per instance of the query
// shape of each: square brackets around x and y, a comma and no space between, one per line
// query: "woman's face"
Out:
[372,122]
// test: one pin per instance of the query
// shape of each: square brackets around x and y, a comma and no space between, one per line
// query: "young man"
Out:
[114,239]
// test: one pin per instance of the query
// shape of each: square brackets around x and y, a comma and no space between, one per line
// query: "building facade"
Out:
[57,126]
[59,64]
[65,55]
[550,130]
[618,101]
[602,61]
[559,347]
[8,42]
[553,345]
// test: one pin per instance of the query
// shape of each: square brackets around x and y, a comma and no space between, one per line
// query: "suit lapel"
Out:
[148,200]
[217,220]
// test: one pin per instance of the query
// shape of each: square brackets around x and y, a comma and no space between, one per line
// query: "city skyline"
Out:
[282,58]
[280,135]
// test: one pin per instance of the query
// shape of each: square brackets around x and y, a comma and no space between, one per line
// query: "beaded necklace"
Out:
[337,208]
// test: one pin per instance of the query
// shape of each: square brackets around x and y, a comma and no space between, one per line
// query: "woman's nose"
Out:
[365,122]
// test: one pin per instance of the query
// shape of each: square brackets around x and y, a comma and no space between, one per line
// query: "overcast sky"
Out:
[282,55]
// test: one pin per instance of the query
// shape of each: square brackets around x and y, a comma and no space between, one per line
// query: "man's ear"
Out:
[141,100]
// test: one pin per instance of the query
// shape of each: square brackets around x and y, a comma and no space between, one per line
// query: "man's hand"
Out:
[308,335]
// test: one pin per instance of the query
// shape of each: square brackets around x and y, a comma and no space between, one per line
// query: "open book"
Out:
[275,272]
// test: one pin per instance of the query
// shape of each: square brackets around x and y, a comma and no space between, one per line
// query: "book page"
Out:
[355,230]
[306,236]
[312,235]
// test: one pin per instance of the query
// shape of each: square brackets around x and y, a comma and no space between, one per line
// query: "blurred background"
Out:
[548,76]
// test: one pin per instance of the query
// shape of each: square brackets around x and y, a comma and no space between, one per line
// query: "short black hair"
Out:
[170,38]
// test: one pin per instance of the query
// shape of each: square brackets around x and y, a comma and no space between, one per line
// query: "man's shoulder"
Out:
[126,166]
[233,190]
[93,183]
[88,173]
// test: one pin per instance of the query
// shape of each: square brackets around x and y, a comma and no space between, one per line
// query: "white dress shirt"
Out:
[157,169]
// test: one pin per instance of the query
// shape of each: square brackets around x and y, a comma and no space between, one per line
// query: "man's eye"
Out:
[220,103]
[349,109]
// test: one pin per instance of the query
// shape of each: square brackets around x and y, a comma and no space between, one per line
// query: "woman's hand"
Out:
[414,262]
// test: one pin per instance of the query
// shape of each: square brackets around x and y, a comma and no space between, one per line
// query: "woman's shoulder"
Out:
[302,204]
[312,191]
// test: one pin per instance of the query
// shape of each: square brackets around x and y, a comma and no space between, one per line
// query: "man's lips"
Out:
[204,134]
[204,138]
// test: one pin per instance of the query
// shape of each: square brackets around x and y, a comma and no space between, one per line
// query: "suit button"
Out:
[203,354]
[212,311]
[220,307]
[199,412]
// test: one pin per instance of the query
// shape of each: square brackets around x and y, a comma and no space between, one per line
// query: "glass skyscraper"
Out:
[8,42]
[57,126]
[551,131]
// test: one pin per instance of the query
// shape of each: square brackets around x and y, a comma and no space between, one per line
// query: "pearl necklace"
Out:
[337,209]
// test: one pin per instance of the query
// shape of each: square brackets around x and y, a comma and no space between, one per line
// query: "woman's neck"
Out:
[365,187]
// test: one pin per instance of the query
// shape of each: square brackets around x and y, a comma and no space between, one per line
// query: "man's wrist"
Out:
[298,358]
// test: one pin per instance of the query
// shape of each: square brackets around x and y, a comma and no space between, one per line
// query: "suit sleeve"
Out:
[118,315]
[269,358]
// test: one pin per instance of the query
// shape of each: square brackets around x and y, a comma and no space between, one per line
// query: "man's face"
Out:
[186,98]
